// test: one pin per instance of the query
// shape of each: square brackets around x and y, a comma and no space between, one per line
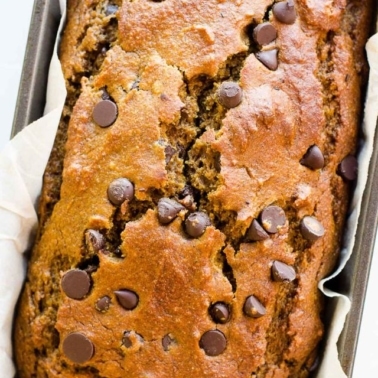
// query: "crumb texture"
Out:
[168,281]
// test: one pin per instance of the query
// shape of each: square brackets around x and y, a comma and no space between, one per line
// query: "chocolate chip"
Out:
[268,58]
[264,33]
[285,12]
[229,94]
[111,9]
[130,337]
[94,240]
[253,307]
[282,272]
[313,158]
[168,210]
[213,342]
[196,223]
[187,191]
[272,219]
[311,228]
[76,283]
[169,152]
[105,113]
[167,342]
[256,232]
[127,299]
[348,168]
[78,348]
[314,365]
[103,304]
[120,190]
[220,313]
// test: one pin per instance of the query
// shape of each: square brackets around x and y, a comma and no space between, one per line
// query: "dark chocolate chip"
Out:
[268,58]
[187,191]
[129,337]
[103,304]
[76,283]
[111,9]
[314,365]
[285,12]
[105,113]
[213,342]
[169,153]
[168,210]
[78,348]
[94,240]
[282,272]
[127,299]
[311,228]
[167,342]
[253,307]
[313,158]
[348,168]
[196,223]
[272,219]
[256,232]
[264,33]
[229,94]
[220,313]
[120,190]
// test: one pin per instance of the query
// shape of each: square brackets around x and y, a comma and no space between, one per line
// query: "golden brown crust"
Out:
[163,67]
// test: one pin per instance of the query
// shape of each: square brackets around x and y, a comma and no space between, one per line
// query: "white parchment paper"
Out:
[23,162]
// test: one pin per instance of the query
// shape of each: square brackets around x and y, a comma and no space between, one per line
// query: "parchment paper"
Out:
[22,164]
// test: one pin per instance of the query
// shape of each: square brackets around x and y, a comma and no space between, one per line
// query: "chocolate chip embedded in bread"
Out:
[196,224]
[268,58]
[169,152]
[220,313]
[285,12]
[120,190]
[272,219]
[213,342]
[105,113]
[127,299]
[103,304]
[76,283]
[256,232]
[78,348]
[229,94]
[264,33]
[282,272]
[311,228]
[94,240]
[313,158]
[167,342]
[130,338]
[348,168]
[168,210]
[253,307]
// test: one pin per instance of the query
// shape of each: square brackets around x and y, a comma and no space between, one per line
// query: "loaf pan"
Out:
[354,278]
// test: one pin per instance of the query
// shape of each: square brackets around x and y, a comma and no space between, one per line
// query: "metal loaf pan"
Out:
[353,280]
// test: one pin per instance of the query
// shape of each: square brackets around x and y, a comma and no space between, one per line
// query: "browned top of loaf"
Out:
[162,64]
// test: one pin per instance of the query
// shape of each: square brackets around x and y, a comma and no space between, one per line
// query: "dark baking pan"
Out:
[352,281]
[32,91]
[354,278]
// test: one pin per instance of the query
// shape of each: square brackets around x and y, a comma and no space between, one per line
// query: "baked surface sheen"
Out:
[162,63]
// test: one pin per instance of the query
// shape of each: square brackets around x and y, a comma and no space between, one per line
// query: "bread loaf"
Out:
[197,189]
